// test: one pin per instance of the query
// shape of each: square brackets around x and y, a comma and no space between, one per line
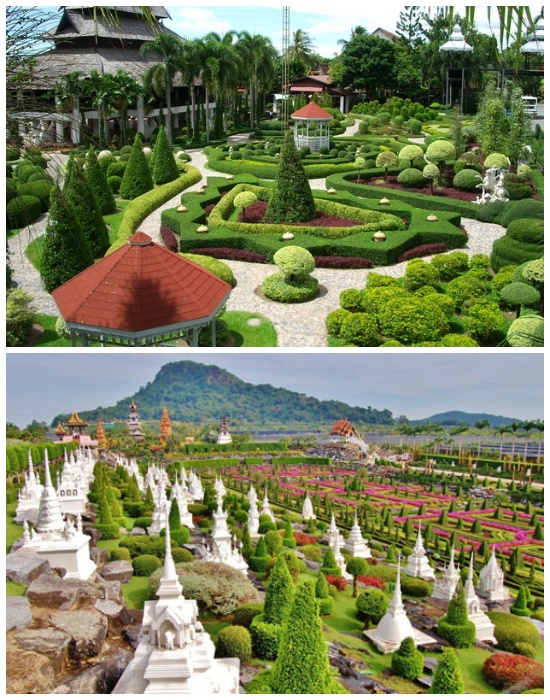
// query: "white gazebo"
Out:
[312,127]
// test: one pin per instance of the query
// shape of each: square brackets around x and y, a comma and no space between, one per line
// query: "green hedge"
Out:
[245,614]
[526,231]
[145,564]
[507,251]
[23,210]
[234,642]
[266,638]
[198,463]
[511,630]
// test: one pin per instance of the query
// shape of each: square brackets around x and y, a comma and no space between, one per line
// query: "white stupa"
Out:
[29,496]
[219,487]
[253,520]
[339,558]
[224,438]
[445,587]
[266,508]
[307,509]
[418,564]
[491,581]
[175,654]
[252,496]
[485,629]
[179,494]
[395,626]
[194,486]
[160,514]
[72,487]
[224,548]
[57,539]
[183,477]
[356,544]
[334,533]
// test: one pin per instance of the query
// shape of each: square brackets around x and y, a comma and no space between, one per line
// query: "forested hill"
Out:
[453,418]
[195,393]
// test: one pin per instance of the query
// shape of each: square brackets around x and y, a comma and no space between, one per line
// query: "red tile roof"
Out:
[140,286]
[344,428]
[311,111]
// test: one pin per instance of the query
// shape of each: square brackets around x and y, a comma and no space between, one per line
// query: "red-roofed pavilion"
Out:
[312,127]
[142,294]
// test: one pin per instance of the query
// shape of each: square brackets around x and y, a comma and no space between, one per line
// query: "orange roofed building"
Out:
[142,294]
[165,425]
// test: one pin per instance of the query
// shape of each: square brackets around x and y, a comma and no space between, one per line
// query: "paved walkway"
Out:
[297,325]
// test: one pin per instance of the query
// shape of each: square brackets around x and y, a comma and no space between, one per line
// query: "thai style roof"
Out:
[60,430]
[75,420]
[344,428]
[141,287]
[312,111]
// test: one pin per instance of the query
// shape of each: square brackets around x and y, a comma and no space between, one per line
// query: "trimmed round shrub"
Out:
[462,164]
[533,273]
[143,522]
[26,171]
[294,262]
[311,552]
[440,151]
[360,329]
[41,189]
[180,555]
[450,265]
[467,180]
[386,159]
[22,211]
[525,649]
[117,168]
[371,605]
[511,630]
[488,213]
[216,267]
[465,288]
[483,319]
[412,320]
[334,320]
[524,171]
[505,670]
[507,251]
[234,642]
[244,615]
[519,293]
[415,587]
[431,172]
[410,153]
[419,274]
[455,340]
[12,153]
[326,606]
[411,177]
[496,160]
[120,554]
[527,230]
[352,300]
[266,638]
[414,126]
[398,121]
[407,661]
[109,531]
[146,564]
[279,288]
[524,209]
[114,182]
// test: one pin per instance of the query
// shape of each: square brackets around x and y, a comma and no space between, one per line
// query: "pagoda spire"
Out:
[50,515]
[396,605]
[169,587]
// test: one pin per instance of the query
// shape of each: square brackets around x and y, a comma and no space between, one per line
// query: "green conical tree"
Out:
[98,181]
[104,516]
[539,532]
[248,549]
[302,666]
[447,678]
[519,606]
[163,164]
[174,516]
[454,626]
[288,538]
[321,586]
[443,519]
[328,565]
[291,199]
[390,555]
[133,494]
[114,504]
[66,251]
[279,593]
[80,194]
[137,178]
[149,501]
[476,527]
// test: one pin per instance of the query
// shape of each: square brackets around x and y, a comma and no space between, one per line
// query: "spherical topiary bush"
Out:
[527,231]
[180,554]
[455,340]
[518,293]
[526,331]
[511,630]
[116,168]
[414,126]
[418,274]
[449,265]
[407,661]
[386,159]
[412,320]
[243,200]
[22,211]
[467,180]
[440,151]
[524,171]
[244,615]
[371,605]
[411,177]
[293,284]
[334,320]
[497,160]
[466,287]
[216,267]
[360,329]
[114,182]
[352,300]
[294,262]
[120,554]
[40,189]
[145,564]
[431,173]
[411,153]
[234,642]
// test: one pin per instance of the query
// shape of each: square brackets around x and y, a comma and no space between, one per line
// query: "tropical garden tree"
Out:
[368,63]
[258,57]
[125,90]
[226,77]
[301,54]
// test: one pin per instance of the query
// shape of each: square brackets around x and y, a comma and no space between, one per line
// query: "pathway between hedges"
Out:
[297,325]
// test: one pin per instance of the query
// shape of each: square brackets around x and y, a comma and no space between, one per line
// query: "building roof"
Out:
[74,25]
[343,427]
[385,34]
[75,420]
[311,111]
[158,12]
[316,83]
[142,286]
[60,430]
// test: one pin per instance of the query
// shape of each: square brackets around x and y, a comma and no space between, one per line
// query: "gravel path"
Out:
[297,325]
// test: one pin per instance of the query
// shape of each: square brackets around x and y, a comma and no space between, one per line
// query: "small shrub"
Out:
[352,300]
[360,329]
[467,180]
[114,182]
[244,615]
[371,605]
[511,630]
[23,210]
[414,126]
[145,564]
[504,670]
[266,638]
[407,661]
[335,319]
[411,177]
[180,555]
[234,642]
[120,554]
[415,587]
[339,582]
[279,288]
[525,649]
[497,160]
[527,230]
[524,209]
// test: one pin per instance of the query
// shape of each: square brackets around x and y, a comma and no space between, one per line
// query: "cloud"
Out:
[191,21]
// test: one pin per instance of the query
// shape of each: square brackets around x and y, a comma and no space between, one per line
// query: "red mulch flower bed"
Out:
[256,214]
[449,192]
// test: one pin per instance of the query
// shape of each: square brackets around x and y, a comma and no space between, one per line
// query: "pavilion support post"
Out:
[84,340]
[213,327]
[58,124]
[73,338]
[195,336]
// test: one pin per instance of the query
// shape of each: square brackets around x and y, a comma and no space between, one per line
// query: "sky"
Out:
[418,385]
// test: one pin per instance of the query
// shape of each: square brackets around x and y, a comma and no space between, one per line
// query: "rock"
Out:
[99,680]
[49,591]
[132,634]
[86,629]
[49,642]
[98,555]
[287,236]
[93,533]
[118,571]
[25,567]
[112,612]
[18,612]
[111,590]
[28,672]
[138,531]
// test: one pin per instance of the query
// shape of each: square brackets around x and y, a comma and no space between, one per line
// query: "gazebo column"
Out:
[140,114]
[73,338]
[195,335]
[342,104]
[213,327]
[75,124]
[83,340]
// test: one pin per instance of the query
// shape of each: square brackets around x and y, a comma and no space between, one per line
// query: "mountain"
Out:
[452,418]
[198,393]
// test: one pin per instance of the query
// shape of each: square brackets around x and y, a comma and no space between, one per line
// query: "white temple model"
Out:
[252,496]
[395,626]
[307,509]
[485,629]
[491,581]
[334,533]
[356,544]
[219,487]
[179,494]
[339,558]
[445,587]
[72,487]
[418,564]
[160,514]
[266,508]
[253,520]
[56,539]
[224,438]
[224,548]
[175,654]
[29,496]
[194,486]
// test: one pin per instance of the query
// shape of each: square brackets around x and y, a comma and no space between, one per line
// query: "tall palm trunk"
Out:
[168,121]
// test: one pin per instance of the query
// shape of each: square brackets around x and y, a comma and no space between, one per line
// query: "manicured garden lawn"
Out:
[136,592]
[471,661]
[13,531]
[113,220]
[34,251]
[214,627]
[50,337]
[250,336]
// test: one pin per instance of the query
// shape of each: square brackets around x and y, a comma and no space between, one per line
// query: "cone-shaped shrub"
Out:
[407,661]
[329,565]
[520,604]
[174,517]
[114,504]
[137,178]
[80,194]
[149,501]
[279,593]
[66,251]
[302,666]
[539,533]
[326,601]
[288,538]
[455,626]
[291,199]
[98,181]
[248,549]
[447,678]
[163,164]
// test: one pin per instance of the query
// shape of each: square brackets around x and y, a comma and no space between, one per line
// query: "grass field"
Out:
[246,335]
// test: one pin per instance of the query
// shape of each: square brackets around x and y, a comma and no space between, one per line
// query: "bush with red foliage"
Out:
[342,263]
[208,208]
[231,254]
[371,561]
[504,670]
[448,192]
[170,239]
[256,214]
[372,581]
[302,539]
[422,250]
[339,582]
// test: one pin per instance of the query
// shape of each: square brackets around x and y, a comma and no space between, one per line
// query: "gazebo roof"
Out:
[75,420]
[312,111]
[141,287]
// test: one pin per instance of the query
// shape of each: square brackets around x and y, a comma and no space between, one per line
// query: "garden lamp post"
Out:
[457,43]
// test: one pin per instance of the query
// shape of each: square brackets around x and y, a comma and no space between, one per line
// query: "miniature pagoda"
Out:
[179,493]
[356,544]
[224,438]
[60,432]
[252,496]
[418,564]
[29,496]
[160,514]
[395,625]
[194,486]
[219,487]
[266,508]
[485,629]
[100,436]
[445,587]
[334,533]
[224,548]
[72,487]
[339,558]
[134,424]
[57,539]
[491,581]
[165,425]
[175,654]
[307,509]
[76,426]
[253,520]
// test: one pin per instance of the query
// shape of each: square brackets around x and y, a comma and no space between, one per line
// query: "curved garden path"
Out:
[297,325]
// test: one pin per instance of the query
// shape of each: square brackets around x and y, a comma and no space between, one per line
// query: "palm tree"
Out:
[501,430]
[356,31]
[125,91]
[191,59]
[160,77]
[98,88]
[69,90]
[258,57]
[228,71]
[481,425]
[300,53]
